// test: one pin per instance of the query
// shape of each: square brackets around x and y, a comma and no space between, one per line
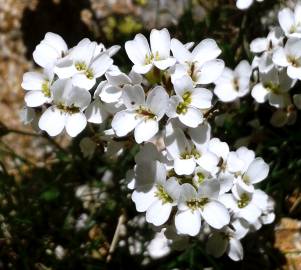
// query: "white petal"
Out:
[286,20]
[234,164]
[260,93]
[52,121]
[279,57]
[216,214]
[179,51]
[82,81]
[259,45]
[226,182]
[175,141]
[35,98]
[294,72]
[278,101]
[182,85]
[164,64]
[158,213]
[65,68]
[45,55]
[226,92]
[201,98]
[96,112]
[137,49]
[184,166]
[235,251]
[101,64]
[124,122]
[133,96]
[209,189]
[244,4]
[221,149]
[160,43]
[75,124]
[157,101]
[205,51]
[208,161]
[33,81]
[217,244]
[201,134]
[145,130]
[246,155]
[257,171]
[243,69]
[56,41]
[188,222]
[143,200]
[250,213]
[210,71]
[111,94]
[142,69]
[192,118]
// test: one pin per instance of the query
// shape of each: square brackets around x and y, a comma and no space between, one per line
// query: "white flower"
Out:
[185,154]
[111,91]
[274,86]
[225,242]
[154,194]
[195,205]
[96,112]
[268,44]
[244,205]
[67,111]
[200,64]
[290,21]
[140,114]
[145,57]
[51,49]
[233,84]
[159,246]
[290,57]
[256,172]
[84,64]
[244,4]
[38,87]
[188,102]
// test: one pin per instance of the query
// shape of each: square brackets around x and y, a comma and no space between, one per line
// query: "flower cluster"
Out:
[187,182]
[278,61]
[196,185]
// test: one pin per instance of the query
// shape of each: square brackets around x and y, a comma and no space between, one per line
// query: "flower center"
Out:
[68,109]
[81,66]
[236,84]
[190,154]
[146,113]
[46,89]
[293,61]
[182,106]
[195,204]
[244,200]
[149,58]
[274,88]
[163,195]
[200,178]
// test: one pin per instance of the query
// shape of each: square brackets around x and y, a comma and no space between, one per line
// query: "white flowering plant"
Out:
[176,135]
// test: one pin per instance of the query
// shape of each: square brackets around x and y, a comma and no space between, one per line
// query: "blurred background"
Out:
[59,210]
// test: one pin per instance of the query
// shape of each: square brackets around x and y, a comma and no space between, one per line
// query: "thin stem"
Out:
[121,220]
